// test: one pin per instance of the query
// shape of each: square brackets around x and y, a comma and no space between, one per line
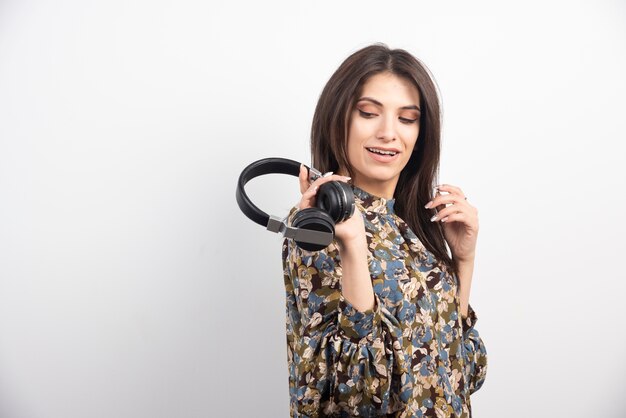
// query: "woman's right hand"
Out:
[348,233]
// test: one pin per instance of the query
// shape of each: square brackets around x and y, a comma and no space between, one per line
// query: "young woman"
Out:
[379,322]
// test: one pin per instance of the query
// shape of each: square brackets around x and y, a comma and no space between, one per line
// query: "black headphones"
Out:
[312,228]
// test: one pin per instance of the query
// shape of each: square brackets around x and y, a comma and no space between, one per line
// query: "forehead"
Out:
[391,90]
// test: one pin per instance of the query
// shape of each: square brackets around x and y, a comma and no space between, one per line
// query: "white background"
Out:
[132,286]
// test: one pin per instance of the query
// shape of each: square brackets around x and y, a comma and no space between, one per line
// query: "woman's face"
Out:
[383,131]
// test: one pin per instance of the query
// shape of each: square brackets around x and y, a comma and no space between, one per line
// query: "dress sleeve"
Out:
[345,360]
[475,353]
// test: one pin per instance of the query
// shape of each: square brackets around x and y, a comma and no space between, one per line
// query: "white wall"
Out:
[132,286]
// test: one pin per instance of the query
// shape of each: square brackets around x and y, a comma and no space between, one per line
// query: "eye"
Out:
[407,120]
[365,114]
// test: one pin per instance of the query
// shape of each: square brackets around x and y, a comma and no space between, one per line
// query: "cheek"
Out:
[410,134]
[410,130]
[357,130]
[354,149]
[357,135]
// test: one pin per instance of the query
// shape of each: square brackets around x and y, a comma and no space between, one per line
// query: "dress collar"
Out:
[372,203]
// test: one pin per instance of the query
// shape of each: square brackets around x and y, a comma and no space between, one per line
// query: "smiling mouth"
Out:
[381,152]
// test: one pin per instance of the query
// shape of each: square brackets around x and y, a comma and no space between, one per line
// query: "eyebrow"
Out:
[376,102]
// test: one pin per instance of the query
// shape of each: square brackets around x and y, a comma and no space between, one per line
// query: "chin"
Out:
[379,177]
[383,173]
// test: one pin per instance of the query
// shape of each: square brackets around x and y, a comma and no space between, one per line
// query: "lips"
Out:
[376,155]
[383,151]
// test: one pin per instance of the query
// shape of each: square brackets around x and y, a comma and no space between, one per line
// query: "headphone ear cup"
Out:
[313,219]
[348,201]
[336,198]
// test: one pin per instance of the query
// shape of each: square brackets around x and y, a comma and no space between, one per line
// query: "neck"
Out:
[377,189]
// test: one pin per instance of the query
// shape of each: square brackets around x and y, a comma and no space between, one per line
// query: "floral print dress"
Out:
[412,355]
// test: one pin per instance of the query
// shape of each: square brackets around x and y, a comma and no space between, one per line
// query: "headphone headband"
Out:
[258,168]
[273,223]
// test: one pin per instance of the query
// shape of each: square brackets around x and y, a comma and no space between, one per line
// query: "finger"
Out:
[333,177]
[304,180]
[454,217]
[311,191]
[444,199]
[438,197]
[451,189]
[447,212]
[308,198]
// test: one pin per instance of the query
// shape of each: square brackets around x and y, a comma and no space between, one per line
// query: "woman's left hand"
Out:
[459,221]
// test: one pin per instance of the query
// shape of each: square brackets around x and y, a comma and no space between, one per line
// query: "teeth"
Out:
[377,151]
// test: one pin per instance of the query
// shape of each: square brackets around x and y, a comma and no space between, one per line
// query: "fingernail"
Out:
[348,178]
[428,205]
[330,173]
[433,218]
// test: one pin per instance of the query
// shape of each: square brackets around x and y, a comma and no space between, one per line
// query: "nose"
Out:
[387,130]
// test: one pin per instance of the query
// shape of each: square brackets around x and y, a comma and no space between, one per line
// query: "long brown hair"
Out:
[329,135]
